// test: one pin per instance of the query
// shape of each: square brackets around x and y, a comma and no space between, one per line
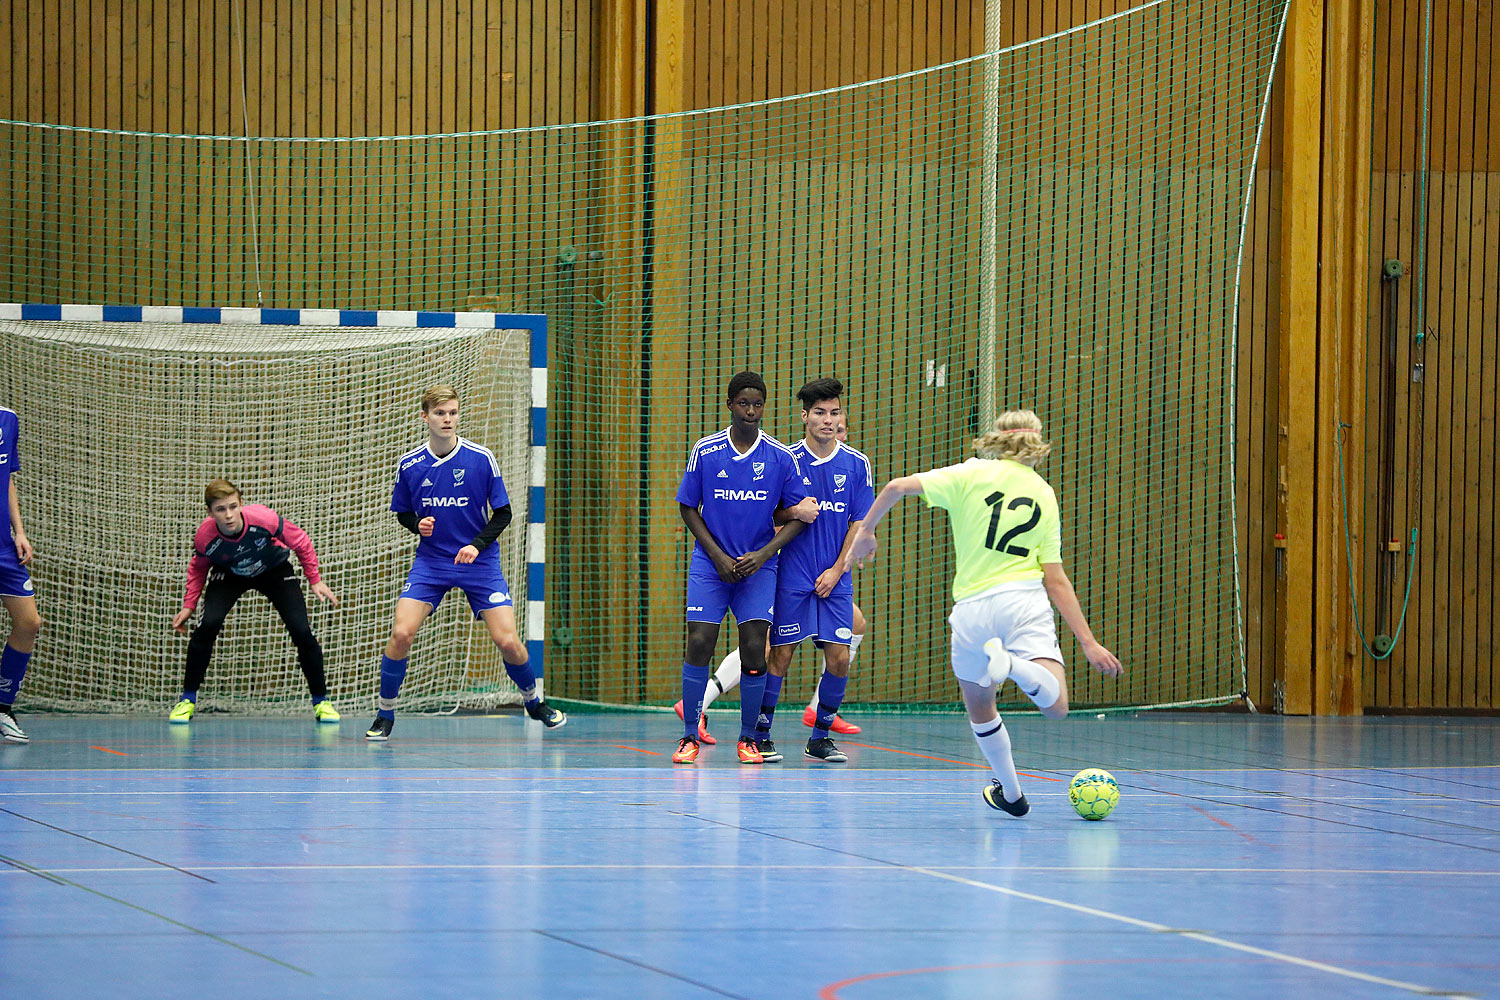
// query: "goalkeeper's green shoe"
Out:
[182,713]
[324,711]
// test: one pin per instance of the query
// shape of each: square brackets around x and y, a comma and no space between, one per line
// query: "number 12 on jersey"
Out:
[998,506]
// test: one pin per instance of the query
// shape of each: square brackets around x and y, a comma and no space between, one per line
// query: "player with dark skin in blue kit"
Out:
[735,481]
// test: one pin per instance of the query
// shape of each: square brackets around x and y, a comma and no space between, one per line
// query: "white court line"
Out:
[1412,799]
[1278,956]
[1457,873]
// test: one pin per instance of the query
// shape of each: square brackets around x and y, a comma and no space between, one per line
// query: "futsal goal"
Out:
[127,412]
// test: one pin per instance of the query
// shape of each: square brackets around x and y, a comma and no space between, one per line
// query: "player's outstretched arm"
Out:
[1060,591]
[307,555]
[197,576]
[23,546]
[693,518]
[863,546]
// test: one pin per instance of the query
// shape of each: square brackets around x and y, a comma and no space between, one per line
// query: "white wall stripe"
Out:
[539,465]
[536,623]
[536,543]
[539,387]
[396,317]
[82,313]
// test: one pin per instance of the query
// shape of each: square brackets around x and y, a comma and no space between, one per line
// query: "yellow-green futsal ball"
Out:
[1094,793]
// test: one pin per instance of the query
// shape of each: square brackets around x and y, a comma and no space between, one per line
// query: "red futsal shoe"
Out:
[810,720]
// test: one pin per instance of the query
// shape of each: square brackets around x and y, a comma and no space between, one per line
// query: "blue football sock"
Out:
[521,675]
[191,696]
[392,673]
[768,706]
[752,697]
[694,683]
[830,697]
[12,669]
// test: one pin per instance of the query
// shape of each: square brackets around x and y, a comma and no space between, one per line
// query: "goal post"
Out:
[126,412]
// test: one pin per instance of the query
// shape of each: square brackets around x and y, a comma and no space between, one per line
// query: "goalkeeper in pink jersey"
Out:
[241,547]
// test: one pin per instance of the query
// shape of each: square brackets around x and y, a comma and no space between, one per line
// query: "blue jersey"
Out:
[457,491]
[10,464]
[738,493]
[844,484]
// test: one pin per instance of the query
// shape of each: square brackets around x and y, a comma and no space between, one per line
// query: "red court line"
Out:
[108,750]
[1224,824]
[945,760]
[924,756]
[654,753]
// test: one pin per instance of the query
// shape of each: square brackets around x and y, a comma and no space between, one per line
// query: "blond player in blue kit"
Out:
[1008,541]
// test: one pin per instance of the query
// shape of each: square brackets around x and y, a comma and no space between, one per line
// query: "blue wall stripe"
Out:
[539,425]
[199,314]
[122,314]
[435,319]
[539,505]
[281,317]
[357,317]
[536,581]
[29,311]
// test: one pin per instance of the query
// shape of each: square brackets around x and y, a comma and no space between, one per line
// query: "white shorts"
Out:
[1019,613]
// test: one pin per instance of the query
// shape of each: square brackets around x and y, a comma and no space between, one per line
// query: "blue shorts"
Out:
[708,597]
[481,581]
[802,614]
[14,580]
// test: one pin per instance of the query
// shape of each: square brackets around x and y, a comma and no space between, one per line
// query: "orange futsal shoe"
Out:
[687,751]
[810,720]
[749,752]
[703,736]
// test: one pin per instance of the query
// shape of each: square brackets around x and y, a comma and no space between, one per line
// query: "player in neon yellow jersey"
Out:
[1008,541]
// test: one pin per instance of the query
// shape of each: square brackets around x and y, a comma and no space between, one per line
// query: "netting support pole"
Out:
[989,318]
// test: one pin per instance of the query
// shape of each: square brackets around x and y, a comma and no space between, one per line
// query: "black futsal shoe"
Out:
[995,796]
[822,749]
[546,714]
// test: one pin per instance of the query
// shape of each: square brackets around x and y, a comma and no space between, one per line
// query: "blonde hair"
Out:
[440,393]
[1017,435]
[218,490]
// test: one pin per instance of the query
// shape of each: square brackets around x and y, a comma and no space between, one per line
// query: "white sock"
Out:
[1035,681]
[853,648]
[725,678]
[994,742]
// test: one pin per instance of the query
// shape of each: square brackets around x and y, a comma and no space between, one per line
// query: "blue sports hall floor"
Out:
[480,856]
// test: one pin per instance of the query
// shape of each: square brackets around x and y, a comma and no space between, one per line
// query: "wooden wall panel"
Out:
[1444,473]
